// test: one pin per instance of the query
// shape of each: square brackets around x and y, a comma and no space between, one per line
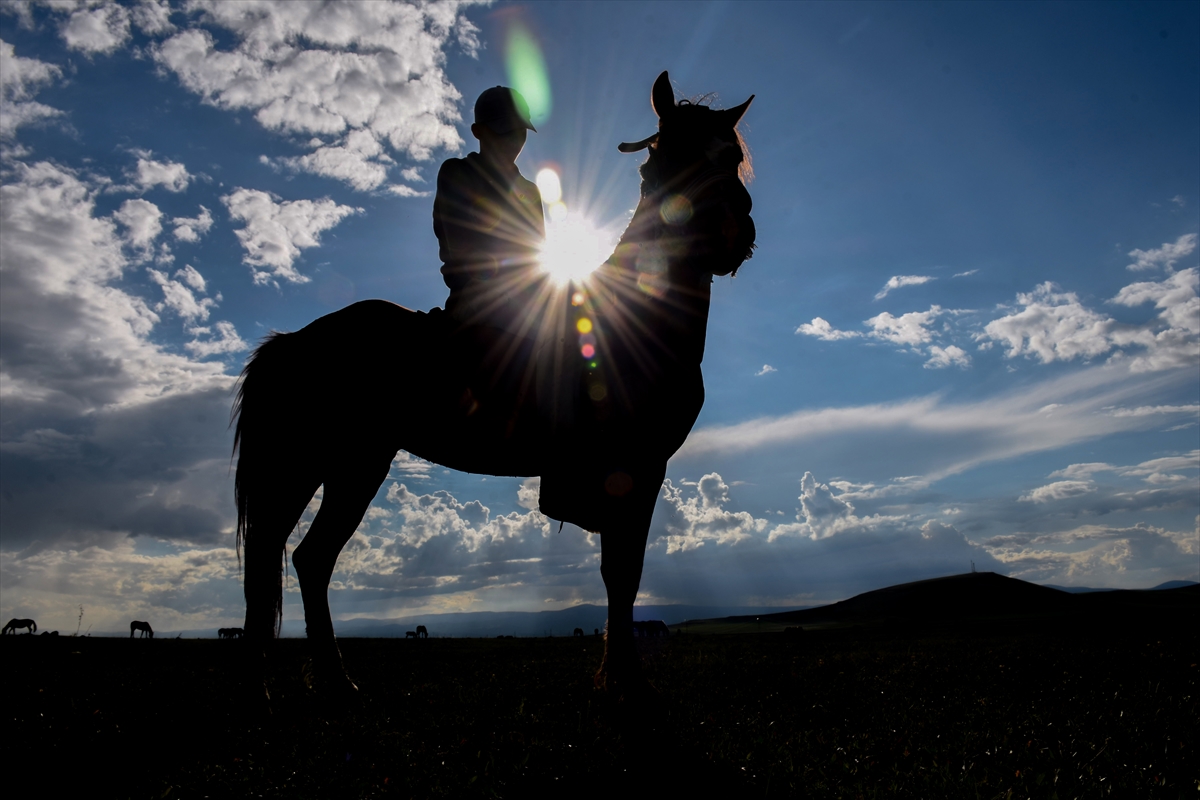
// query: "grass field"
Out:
[840,713]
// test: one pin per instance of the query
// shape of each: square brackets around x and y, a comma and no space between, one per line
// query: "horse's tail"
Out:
[263,382]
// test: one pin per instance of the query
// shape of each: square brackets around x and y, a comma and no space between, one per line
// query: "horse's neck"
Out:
[672,300]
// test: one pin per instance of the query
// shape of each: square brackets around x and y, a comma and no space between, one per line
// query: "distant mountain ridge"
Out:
[982,594]
[1085,589]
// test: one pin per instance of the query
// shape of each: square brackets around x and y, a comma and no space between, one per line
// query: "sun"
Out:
[574,247]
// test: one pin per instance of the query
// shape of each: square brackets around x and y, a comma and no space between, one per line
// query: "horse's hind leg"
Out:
[349,491]
[276,506]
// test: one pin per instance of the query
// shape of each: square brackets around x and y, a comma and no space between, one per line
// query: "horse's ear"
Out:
[733,115]
[662,97]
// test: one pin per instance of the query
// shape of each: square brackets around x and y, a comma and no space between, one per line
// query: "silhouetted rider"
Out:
[490,228]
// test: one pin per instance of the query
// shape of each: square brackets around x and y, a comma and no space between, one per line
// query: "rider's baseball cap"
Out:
[503,110]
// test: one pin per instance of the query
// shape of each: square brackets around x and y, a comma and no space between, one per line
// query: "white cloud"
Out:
[909,329]
[222,341]
[100,28]
[1059,490]
[949,356]
[1179,344]
[275,232]
[824,514]
[143,223]
[897,281]
[153,16]
[964,274]
[19,80]
[1142,411]
[190,229]
[69,335]
[1165,256]
[821,329]
[1053,326]
[767,369]
[1095,554]
[351,161]
[368,72]
[400,190]
[179,295]
[170,175]
[1083,471]
[699,518]
[941,438]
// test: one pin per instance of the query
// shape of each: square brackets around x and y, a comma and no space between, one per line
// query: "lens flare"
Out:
[527,71]
[549,185]
[584,325]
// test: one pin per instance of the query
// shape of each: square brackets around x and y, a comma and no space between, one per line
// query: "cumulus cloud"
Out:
[362,73]
[221,339]
[949,356]
[1053,325]
[142,221]
[359,160]
[821,329]
[767,369]
[824,514]
[911,329]
[190,229]
[20,78]
[1164,257]
[696,515]
[180,294]
[897,281]
[275,231]
[96,28]
[1094,554]
[149,173]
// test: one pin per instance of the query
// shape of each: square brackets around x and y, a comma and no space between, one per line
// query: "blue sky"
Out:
[970,331]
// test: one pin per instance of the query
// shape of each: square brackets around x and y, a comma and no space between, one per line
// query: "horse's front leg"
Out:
[347,496]
[622,552]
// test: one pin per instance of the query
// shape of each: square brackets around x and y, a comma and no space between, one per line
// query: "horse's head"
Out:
[691,137]
[695,176]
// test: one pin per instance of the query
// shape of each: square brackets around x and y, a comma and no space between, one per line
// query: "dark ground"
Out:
[964,711]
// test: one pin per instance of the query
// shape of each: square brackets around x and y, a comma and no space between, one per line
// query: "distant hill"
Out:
[972,596]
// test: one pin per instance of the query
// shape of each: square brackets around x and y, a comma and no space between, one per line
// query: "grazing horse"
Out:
[422,632]
[579,631]
[230,633]
[410,634]
[144,627]
[14,623]
[611,393]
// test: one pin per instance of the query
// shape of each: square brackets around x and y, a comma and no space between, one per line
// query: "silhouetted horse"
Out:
[144,627]
[410,634]
[612,393]
[579,631]
[230,633]
[14,623]
[422,632]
